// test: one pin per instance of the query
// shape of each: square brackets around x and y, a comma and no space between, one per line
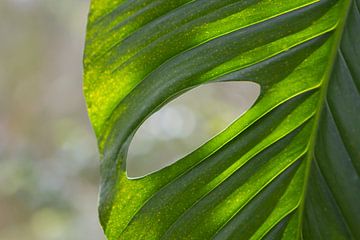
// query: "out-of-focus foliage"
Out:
[48,163]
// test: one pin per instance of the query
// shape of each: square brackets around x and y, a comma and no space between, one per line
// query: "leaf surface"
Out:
[287,169]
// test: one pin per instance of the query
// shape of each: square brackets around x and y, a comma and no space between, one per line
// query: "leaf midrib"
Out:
[323,93]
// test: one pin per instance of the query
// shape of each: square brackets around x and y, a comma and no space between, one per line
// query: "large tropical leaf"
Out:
[287,169]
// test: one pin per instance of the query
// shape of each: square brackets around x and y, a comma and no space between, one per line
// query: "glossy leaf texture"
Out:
[286,169]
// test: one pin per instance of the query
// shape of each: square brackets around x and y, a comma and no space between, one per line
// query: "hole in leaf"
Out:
[186,123]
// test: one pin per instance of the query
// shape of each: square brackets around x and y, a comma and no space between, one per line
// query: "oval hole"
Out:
[186,123]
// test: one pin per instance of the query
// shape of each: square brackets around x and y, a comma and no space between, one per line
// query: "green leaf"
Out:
[287,169]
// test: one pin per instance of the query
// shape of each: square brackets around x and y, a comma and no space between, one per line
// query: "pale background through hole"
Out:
[187,122]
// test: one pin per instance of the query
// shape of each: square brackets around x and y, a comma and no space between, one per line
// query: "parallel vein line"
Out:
[117,43]
[278,15]
[331,194]
[333,118]
[284,216]
[217,36]
[294,161]
[345,61]
[117,8]
[357,6]
[249,159]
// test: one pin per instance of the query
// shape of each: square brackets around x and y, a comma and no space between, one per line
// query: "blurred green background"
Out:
[48,154]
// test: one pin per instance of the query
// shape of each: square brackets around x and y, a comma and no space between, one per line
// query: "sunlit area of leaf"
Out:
[186,123]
